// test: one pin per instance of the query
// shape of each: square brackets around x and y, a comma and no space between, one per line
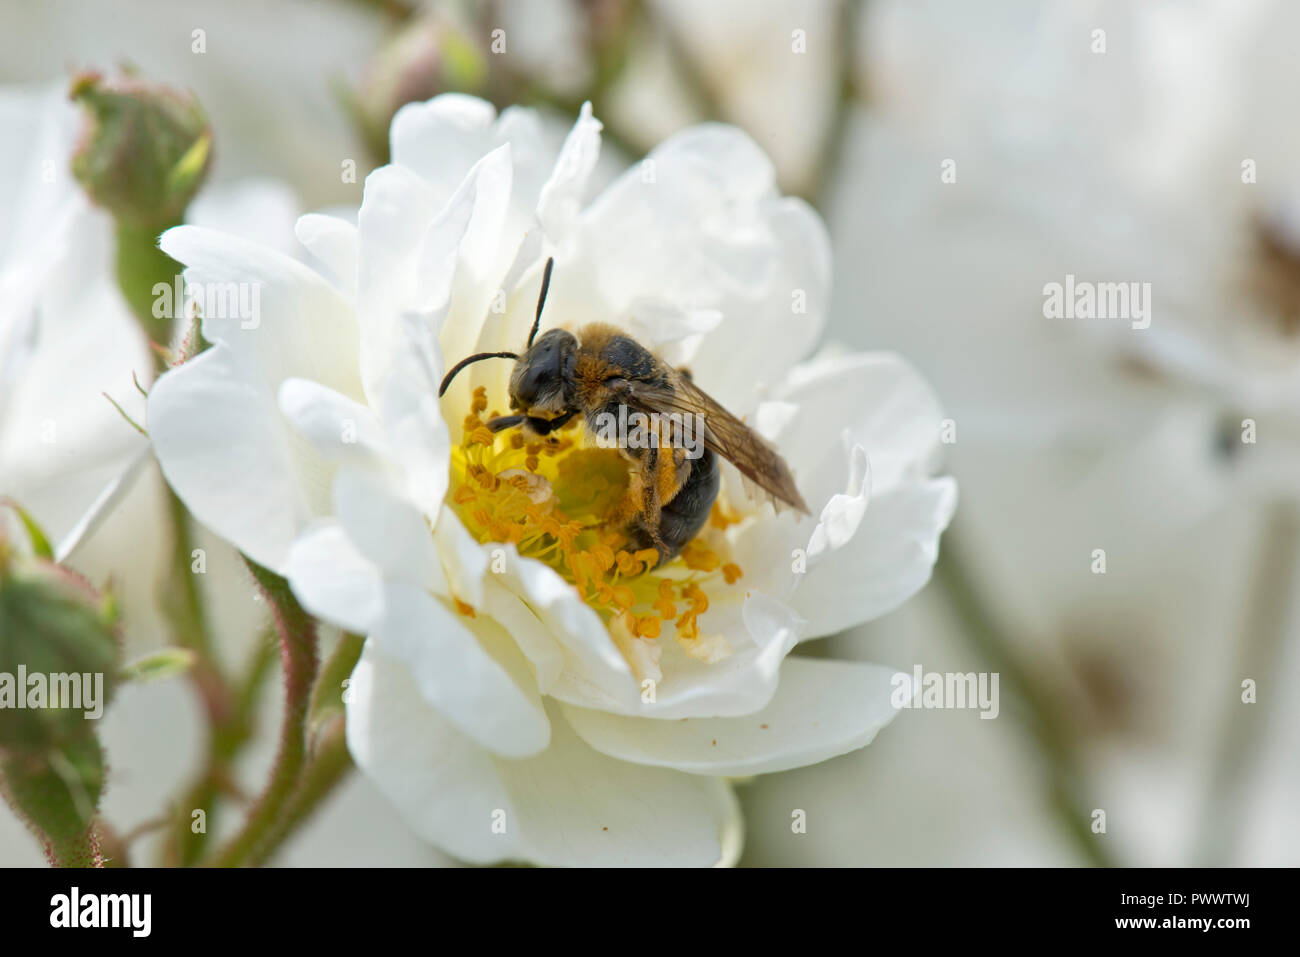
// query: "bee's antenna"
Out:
[477,357]
[541,299]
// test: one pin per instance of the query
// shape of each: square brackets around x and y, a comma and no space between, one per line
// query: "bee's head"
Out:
[543,377]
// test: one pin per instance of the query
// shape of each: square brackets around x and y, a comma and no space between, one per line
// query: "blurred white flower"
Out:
[66,338]
[1076,149]
[1104,140]
[66,335]
[769,66]
[501,701]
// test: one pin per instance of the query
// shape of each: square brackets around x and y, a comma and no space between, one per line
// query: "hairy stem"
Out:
[329,759]
[297,633]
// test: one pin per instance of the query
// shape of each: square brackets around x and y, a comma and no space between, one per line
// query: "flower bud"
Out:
[59,654]
[58,792]
[59,658]
[144,151]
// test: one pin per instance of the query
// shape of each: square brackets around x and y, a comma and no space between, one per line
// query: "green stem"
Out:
[1065,785]
[80,851]
[297,633]
[327,696]
[849,95]
[141,265]
[1268,615]
[326,734]
[328,767]
[226,739]
[706,100]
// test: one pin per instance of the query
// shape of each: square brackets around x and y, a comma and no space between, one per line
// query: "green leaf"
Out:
[35,534]
[188,172]
[159,665]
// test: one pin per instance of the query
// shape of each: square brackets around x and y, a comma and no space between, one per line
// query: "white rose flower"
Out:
[66,335]
[513,700]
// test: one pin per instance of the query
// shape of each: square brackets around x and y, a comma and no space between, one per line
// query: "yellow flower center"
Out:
[550,499]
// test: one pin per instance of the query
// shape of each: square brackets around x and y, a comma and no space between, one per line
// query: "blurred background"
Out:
[965,156]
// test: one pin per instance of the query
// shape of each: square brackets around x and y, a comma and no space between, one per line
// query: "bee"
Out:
[603,374]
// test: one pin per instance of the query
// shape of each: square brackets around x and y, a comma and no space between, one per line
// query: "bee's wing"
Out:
[725,434]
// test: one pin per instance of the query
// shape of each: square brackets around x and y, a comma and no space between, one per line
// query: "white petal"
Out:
[841,516]
[413,422]
[775,318]
[535,640]
[621,814]
[464,560]
[567,806]
[486,249]
[333,580]
[760,631]
[887,407]
[699,223]
[442,783]
[225,450]
[821,709]
[269,307]
[396,210]
[562,195]
[889,559]
[387,529]
[335,244]
[108,499]
[456,675]
[341,430]
[674,332]
[441,139]
[594,670]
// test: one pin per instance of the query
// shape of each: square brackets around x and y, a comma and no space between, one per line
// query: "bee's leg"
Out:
[637,513]
[673,474]
[665,474]
[547,426]
[535,423]
[504,422]
[633,500]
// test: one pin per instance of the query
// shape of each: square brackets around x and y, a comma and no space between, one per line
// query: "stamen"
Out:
[551,499]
